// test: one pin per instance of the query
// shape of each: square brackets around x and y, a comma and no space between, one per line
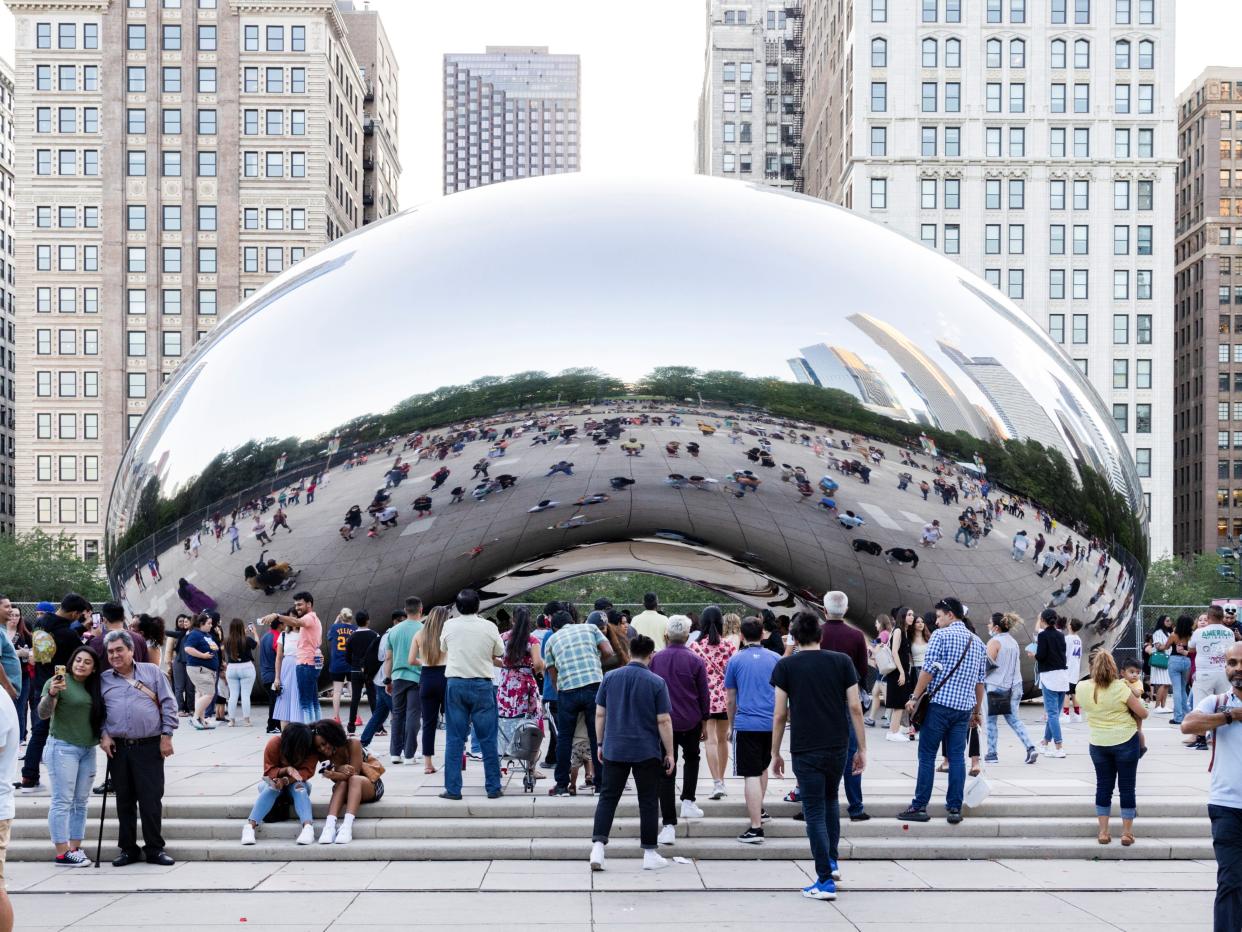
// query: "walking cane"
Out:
[103,809]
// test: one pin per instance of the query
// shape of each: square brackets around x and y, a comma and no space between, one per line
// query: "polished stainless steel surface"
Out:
[468,296]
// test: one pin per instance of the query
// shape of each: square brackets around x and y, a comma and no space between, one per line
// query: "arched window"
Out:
[1082,53]
[1121,53]
[952,53]
[1017,53]
[929,53]
[994,53]
[1147,54]
[879,53]
[1058,53]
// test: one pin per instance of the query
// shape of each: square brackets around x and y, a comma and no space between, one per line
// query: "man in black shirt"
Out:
[819,690]
[54,638]
[362,651]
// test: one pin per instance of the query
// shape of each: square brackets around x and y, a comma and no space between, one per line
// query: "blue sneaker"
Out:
[836,871]
[826,890]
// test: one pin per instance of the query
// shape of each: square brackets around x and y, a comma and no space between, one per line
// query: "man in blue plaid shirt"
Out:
[953,669]
[573,656]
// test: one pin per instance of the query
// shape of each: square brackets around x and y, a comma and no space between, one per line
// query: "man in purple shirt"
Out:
[686,677]
[846,639]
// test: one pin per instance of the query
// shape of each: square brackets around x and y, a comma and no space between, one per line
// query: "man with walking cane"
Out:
[137,736]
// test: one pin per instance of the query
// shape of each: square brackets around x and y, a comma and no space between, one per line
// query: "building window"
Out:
[171,342]
[1121,418]
[879,141]
[206,38]
[879,97]
[1142,373]
[1142,462]
[879,11]
[1056,289]
[1056,327]
[1142,418]
[1078,333]
[879,193]
[1017,279]
[1121,373]
[879,54]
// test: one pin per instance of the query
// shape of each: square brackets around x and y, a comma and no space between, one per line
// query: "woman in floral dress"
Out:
[517,697]
[715,650]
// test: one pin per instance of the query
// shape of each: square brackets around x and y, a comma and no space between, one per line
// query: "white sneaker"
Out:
[1056,752]
[247,834]
[718,789]
[900,739]
[690,809]
[328,835]
[308,835]
[1161,710]
[597,856]
[653,861]
[667,835]
[1076,718]
[397,759]
[344,834]
[416,759]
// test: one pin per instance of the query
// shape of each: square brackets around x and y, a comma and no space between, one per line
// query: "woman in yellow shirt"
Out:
[1113,713]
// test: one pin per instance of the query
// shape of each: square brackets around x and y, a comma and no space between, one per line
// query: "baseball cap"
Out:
[678,626]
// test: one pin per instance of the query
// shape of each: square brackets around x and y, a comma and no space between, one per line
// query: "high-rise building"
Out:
[1034,143]
[750,109]
[1207,339]
[8,280]
[173,156]
[381,165]
[510,112]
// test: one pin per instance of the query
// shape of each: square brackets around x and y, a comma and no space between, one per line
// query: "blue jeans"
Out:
[470,702]
[240,677]
[379,715]
[268,795]
[819,777]
[949,726]
[853,784]
[1015,697]
[71,770]
[1116,764]
[569,704]
[1179,676]
[308,692]
[1052,708]
[1227,843]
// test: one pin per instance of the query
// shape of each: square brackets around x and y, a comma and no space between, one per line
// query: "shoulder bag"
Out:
[919,715]
[372,769]
[884,662]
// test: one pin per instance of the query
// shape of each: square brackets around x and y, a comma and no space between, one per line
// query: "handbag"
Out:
[1159,660]
[1000,702]
[372,769]
[919,715]
[884,662]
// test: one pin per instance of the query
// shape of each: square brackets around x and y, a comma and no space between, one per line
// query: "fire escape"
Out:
[790,64]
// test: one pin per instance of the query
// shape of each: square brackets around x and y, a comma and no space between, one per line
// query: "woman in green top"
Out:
[72,700]
[1113,712]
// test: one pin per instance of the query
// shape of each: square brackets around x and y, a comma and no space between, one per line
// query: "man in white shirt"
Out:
[9,744]
[474,649]
[1208,645]
[1222,714]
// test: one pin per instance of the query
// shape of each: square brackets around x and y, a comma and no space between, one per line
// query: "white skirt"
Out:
[1160,676]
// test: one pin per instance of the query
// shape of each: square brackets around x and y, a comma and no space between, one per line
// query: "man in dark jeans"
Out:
[636,731]
[686,677]
[267,673]
[1222,714]
[846,639]
[54,638]
[819,689]
[572,654]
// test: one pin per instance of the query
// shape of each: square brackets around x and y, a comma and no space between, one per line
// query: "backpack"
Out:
[43,645]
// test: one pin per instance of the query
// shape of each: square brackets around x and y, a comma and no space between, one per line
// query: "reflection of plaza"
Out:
[766,548]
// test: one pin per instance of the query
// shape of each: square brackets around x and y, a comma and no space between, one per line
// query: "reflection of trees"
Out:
[1023,466]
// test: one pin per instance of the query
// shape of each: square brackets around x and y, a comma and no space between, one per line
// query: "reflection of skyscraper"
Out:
[837,367]
[1021,415]
[949,408]
[802,372]
[1079,423]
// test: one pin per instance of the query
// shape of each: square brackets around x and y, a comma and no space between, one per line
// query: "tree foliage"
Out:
[1192,581]
[37,566]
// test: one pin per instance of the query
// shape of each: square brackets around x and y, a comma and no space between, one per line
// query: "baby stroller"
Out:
[522,751]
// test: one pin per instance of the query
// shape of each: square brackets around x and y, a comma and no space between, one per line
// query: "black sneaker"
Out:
[799,816]
[26,785]
[861,817]
[560,791]
[763,816]
[954,816]
[752,836]
[914,815]
[105,787]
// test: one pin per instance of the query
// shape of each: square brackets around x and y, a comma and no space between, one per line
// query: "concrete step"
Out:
[517,805]
[456,849]
[875,831]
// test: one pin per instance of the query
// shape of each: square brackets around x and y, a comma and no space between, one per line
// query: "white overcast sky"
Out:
[642,64]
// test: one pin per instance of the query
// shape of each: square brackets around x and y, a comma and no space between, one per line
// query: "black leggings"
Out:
[357,682]
[431,694]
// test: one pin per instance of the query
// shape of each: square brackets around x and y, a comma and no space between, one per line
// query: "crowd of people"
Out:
[614,696]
